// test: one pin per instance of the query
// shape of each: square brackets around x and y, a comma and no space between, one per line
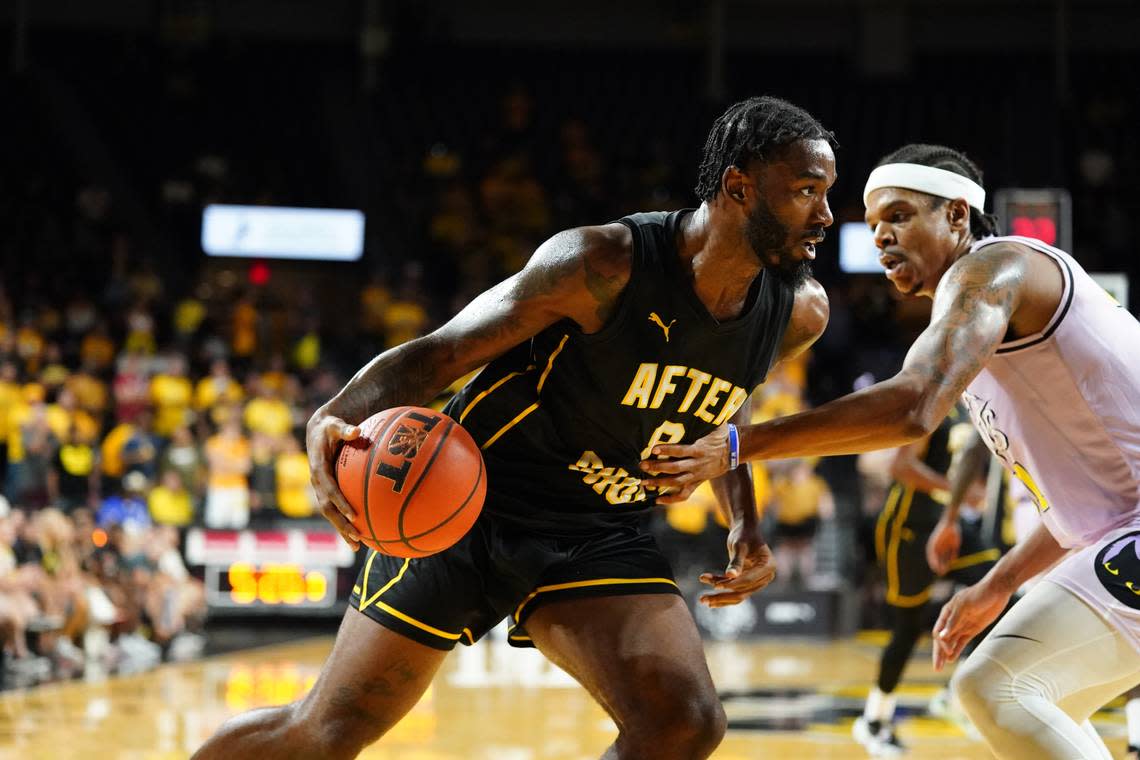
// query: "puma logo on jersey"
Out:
[664,327]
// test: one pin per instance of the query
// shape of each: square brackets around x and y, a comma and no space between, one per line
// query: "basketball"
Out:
[415,479]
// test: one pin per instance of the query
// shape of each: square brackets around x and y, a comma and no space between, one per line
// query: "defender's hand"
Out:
[687,466]
[750,568]
[943,545]
[968,612]
[323,435]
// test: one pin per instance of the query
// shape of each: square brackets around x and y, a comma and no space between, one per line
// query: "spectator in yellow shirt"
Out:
[53,373]
[73,480]
[65,413]
[30,346]
[90,392]
[217,389]
[169,502]
[97,350]
[295,497]
[227,490]
[266,412]
[405,317]
[171,393]
[188,317]
[111,454]
[276,377]
[9,399]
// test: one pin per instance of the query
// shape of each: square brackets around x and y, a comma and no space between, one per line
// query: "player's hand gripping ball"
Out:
[415,479]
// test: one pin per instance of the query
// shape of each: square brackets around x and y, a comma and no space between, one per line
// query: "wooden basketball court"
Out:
[791,700]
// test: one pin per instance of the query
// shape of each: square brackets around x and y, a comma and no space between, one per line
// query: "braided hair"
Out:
[940,157]
[751,129]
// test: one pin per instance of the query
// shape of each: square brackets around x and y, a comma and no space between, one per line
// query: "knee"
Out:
[689,726]
[701,723]
[977,682]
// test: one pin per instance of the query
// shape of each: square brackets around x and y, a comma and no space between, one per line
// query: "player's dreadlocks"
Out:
[751,129]
[940,157]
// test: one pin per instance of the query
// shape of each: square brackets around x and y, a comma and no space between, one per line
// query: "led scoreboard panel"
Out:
[1042,213]
[270,570]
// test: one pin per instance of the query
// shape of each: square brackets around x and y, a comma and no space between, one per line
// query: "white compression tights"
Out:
[1031,686]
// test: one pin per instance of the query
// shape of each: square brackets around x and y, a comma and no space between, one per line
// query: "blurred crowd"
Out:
[122,423]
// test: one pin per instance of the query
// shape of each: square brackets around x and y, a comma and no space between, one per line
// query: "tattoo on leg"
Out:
[388,686]
[403,670]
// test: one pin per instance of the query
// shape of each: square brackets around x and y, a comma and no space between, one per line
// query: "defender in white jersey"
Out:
[1050,367]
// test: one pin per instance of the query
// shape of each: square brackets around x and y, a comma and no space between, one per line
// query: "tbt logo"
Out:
[664,327]
[406,441]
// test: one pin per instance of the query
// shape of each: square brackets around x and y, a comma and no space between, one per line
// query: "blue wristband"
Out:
[733,447]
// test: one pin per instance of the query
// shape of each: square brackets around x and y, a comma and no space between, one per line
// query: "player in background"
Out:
[1045,361]
[911,511]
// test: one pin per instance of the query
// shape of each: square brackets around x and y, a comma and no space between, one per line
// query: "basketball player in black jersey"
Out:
[912,511]
[611,340]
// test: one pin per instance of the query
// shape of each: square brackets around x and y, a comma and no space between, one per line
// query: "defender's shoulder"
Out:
[989,263]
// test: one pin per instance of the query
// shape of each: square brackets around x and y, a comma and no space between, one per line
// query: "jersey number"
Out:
[666,432]
[1026,479]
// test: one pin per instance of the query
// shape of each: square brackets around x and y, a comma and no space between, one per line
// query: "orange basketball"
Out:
[415,479]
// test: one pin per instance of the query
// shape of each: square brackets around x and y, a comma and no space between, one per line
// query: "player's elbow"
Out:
[920,415]
[916,425]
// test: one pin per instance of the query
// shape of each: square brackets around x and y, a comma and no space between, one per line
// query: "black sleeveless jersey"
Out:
[925,510]
[939,452]
[564,418]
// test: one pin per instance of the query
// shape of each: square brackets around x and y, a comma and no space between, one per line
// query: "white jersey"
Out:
[1061,408]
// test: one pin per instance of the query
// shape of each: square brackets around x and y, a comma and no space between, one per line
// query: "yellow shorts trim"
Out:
[893,595]
[365,602]
[986,555]
[412,621]
[881,523]
[583,584]
[898,600]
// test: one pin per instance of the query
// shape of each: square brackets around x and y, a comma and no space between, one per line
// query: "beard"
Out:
[768,238]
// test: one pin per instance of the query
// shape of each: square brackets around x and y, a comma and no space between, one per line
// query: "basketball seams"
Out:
[458,510]
[402,544]
[420,479]
[372,449]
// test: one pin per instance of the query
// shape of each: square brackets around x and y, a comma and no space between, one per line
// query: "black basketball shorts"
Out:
[901,533]
[500,569]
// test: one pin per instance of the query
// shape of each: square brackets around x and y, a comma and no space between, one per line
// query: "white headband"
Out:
[926,179]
